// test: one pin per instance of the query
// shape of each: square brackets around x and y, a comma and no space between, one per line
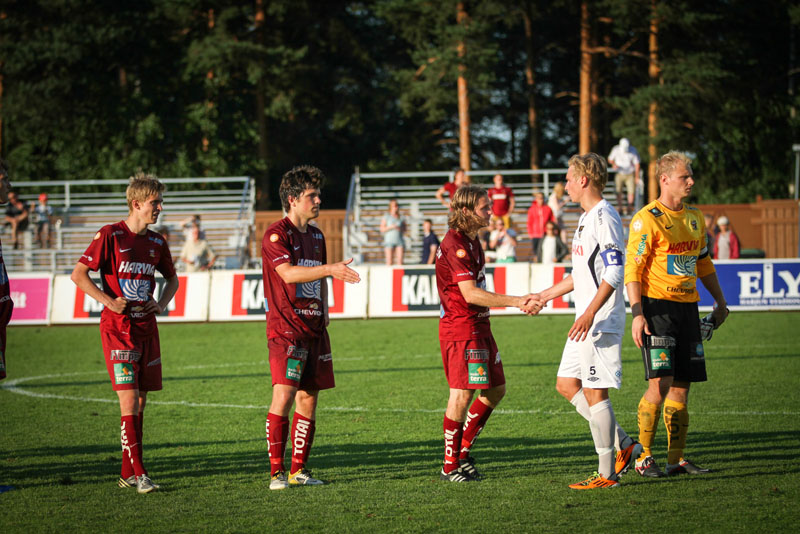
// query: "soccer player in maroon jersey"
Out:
[502,198]
[295,295]
[6,304]
[469,353]
[127,255]
[449,188]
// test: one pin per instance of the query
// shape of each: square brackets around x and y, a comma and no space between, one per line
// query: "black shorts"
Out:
[680,320]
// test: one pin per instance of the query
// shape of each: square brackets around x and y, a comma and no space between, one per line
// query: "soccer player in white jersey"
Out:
[591,362]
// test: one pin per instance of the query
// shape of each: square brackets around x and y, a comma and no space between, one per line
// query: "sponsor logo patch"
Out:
[478,373]
[273,237]
[123,373]
[660,359]
[681,265]
[96,236]
[476,355]
[125,355]
[637,225]
[461,253]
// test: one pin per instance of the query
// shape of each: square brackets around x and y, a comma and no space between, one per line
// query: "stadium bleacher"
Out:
[369,196]
[81,207]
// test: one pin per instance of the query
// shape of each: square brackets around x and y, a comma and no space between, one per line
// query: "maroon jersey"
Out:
[294,311]
[128,263]
[450,189]
[460,258]
[501,199]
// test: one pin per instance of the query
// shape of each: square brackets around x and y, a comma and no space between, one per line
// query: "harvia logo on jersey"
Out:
[91,308]
[136,290]
[415,289]
[248,294]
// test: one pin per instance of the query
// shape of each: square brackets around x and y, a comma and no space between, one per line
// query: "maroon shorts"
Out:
[133,362]
[473,364]
[302,363]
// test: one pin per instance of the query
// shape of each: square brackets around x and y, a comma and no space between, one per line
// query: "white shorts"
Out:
[596,362]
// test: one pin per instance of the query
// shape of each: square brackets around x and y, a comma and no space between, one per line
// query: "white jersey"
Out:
[598,255]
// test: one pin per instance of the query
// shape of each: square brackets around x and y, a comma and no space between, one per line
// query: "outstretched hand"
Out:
[341,271]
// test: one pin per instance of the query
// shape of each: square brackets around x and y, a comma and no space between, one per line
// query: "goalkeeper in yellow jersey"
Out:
[667,252]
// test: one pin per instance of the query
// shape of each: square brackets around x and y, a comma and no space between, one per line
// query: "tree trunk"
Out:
[261,104]
[654,71]
[209,76]
[465,155]
[585,112]
[530,83]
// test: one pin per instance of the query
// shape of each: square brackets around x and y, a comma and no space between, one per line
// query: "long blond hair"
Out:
[466,196]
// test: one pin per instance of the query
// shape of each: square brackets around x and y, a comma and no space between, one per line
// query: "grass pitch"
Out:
[379,442]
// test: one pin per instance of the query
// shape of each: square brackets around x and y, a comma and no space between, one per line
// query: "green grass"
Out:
[379,442]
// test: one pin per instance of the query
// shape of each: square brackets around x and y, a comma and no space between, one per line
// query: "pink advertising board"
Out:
[31,294]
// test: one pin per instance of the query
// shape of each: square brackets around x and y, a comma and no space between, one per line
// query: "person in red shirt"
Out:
[538,215]
[6,304]
[502,198]
[295,296]
[469,353]
[128,255]
[459,178]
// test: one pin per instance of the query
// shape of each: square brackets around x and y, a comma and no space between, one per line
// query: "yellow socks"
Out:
[676,419]
[647,414]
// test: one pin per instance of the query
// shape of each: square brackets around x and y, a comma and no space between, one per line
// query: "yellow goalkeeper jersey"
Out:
[667,251]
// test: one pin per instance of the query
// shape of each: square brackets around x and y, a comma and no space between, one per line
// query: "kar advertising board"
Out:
[31,293]
[411,291]
[71,305]
[239,296]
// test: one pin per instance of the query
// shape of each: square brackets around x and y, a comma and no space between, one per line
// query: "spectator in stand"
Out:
[429,243]
[188,223]
[502,198]
[17,215]
[551,248]
[711,233]
[557,201]
[42,214]
[503,241]
[459,178]
[196,253]
[538,215]
[625,160]
[393,226]
[726,246]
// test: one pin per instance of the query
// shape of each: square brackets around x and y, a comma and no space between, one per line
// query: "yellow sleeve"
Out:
[640,239]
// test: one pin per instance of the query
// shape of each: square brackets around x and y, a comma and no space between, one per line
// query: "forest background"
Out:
[93,89]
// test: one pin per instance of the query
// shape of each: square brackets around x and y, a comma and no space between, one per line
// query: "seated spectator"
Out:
[41,217]
[393,226]
[196,253]
[459,178]
[551,248]
[726,245]
[429,243]
[503,241]
[16,217]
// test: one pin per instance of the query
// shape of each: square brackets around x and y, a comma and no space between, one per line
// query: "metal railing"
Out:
[232,198]
[369,192]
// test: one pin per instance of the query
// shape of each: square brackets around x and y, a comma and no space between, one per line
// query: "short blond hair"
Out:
[591,165]
[667,163]
[141,187]
[466,196]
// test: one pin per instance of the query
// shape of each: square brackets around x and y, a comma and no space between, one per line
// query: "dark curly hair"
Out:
[297,180]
